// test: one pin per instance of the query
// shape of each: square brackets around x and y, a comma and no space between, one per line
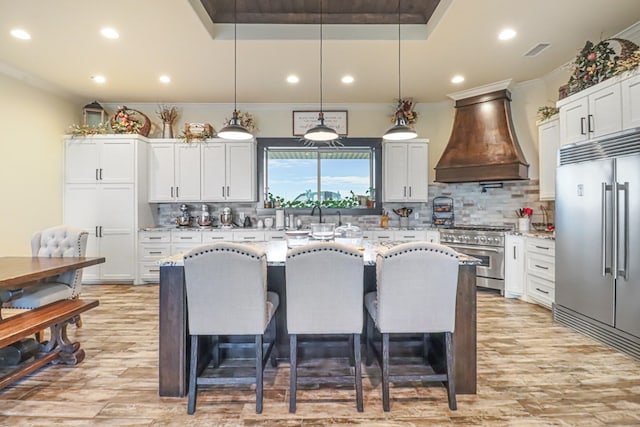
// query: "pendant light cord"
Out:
[321,56]
[399,56]
[235,56]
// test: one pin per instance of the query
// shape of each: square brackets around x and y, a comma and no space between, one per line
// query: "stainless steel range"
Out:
[485,243]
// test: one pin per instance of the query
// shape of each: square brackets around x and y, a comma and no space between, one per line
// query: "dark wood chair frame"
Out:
[383,357]
[355,360]
[261,357]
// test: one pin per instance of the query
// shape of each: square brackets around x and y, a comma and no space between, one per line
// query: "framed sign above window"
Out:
[305,120]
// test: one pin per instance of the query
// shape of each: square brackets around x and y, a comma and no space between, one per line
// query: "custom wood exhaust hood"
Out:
[483,146]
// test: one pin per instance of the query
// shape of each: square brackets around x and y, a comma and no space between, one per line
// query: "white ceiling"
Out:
[167,37]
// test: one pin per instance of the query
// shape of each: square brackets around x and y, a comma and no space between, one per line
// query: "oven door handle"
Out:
[475,248]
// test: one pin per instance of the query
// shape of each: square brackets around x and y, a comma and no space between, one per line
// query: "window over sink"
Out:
[294,176]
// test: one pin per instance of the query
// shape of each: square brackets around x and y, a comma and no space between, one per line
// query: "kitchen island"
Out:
[174,352]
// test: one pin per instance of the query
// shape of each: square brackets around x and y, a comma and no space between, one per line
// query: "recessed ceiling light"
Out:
[20,34]
[98,79]
[348,80]
[109,33]
[293,78]
[165,79]
[457,79]
[507,34]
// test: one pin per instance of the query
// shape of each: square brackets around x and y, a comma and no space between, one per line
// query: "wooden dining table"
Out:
[21,271]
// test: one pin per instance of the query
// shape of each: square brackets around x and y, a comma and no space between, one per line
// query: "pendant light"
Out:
[399,131]
[321,132]
[234,130]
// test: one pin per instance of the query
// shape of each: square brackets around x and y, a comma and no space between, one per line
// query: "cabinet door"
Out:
[82,209]
[214,185]
[514,267]
[630,89]
[605,111]
[417,172]
[117,161]
[187,172]
[116,233]
[573,121]
[395,172]
[548,145]
[161,181]
[81,161]
[241,175]
[433,236]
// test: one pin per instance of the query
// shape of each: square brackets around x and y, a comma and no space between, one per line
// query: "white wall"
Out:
[32,122]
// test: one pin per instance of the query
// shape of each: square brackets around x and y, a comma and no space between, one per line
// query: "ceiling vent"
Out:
[534,51]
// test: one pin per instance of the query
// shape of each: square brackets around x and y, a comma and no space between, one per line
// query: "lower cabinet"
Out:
[530,269]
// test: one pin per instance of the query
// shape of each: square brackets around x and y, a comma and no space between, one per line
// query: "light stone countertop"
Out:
[277,254]
[550,235]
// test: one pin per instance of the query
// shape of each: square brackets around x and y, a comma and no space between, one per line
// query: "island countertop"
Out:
[277,253]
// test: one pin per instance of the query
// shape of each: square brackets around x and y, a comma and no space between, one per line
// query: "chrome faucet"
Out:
[319,212]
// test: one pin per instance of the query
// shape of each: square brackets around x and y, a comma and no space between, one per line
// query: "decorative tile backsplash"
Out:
[472,205]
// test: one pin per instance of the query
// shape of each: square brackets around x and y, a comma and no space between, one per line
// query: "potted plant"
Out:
[371,197]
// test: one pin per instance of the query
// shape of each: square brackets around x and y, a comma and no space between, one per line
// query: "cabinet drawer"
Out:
[433,236]
[274,235]
[248,236]
[216,236]
[154,237]
[383,235]
[149,272]
[541,266]
[409,236]
[186,237]
[541,246]
[177,248]
[154,251]
[540,290]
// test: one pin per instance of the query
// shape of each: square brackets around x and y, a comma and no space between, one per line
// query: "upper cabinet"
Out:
[548,145]
[174,172]
[631,102]
[99,159]
[229,171]
[211,171]
[406,171]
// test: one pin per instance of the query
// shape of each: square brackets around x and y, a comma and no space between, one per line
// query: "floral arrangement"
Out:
[633,61]
[594,63]
[125,121]
[167,114]
[545,112]
[405,105]
[524,212]
[84,130]
[246,121]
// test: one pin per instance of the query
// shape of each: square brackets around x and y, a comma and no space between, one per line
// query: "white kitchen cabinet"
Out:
[514,266]
[248,236]
[214,236]
[406,171]
[109,160]
[174,171]
[104,176]
[274,235]
[591,113]
[540,271]
[382,235]
[548,145]
[152,246]
[410,235]
[433,236]
[228,171]
[630,102]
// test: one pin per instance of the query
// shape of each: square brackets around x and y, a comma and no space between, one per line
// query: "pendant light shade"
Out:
[321,132]
[399,131]
[234,130]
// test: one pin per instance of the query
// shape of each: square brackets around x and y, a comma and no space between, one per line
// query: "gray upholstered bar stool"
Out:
[227,295]
[324,284]
[54,242]
[416,293]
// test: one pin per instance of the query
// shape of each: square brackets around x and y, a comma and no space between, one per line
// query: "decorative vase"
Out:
[523,224]
[167,130]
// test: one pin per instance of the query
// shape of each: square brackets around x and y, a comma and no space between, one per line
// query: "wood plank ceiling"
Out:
[308,11]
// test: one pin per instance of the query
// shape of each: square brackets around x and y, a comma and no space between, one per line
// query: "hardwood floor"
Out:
[531,372]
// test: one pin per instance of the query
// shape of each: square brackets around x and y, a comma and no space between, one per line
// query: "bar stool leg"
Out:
[293,342]
[451,371]
[259,374]
[358,373]
[385,372]
[216,351]
[193,373]
[368,340]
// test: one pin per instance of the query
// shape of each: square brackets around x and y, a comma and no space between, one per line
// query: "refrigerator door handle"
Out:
[603,229]
[614,225]
[625,258]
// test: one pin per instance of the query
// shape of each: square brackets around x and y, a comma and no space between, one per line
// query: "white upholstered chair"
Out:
[325,289]
[227,294]
[416,293]
[60,241]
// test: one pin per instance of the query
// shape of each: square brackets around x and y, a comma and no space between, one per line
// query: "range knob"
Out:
[482,239]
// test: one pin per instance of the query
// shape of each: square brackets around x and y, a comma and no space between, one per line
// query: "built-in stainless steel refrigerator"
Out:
[598,240]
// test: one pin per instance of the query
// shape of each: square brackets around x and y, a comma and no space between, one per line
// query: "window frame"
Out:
[375,144]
